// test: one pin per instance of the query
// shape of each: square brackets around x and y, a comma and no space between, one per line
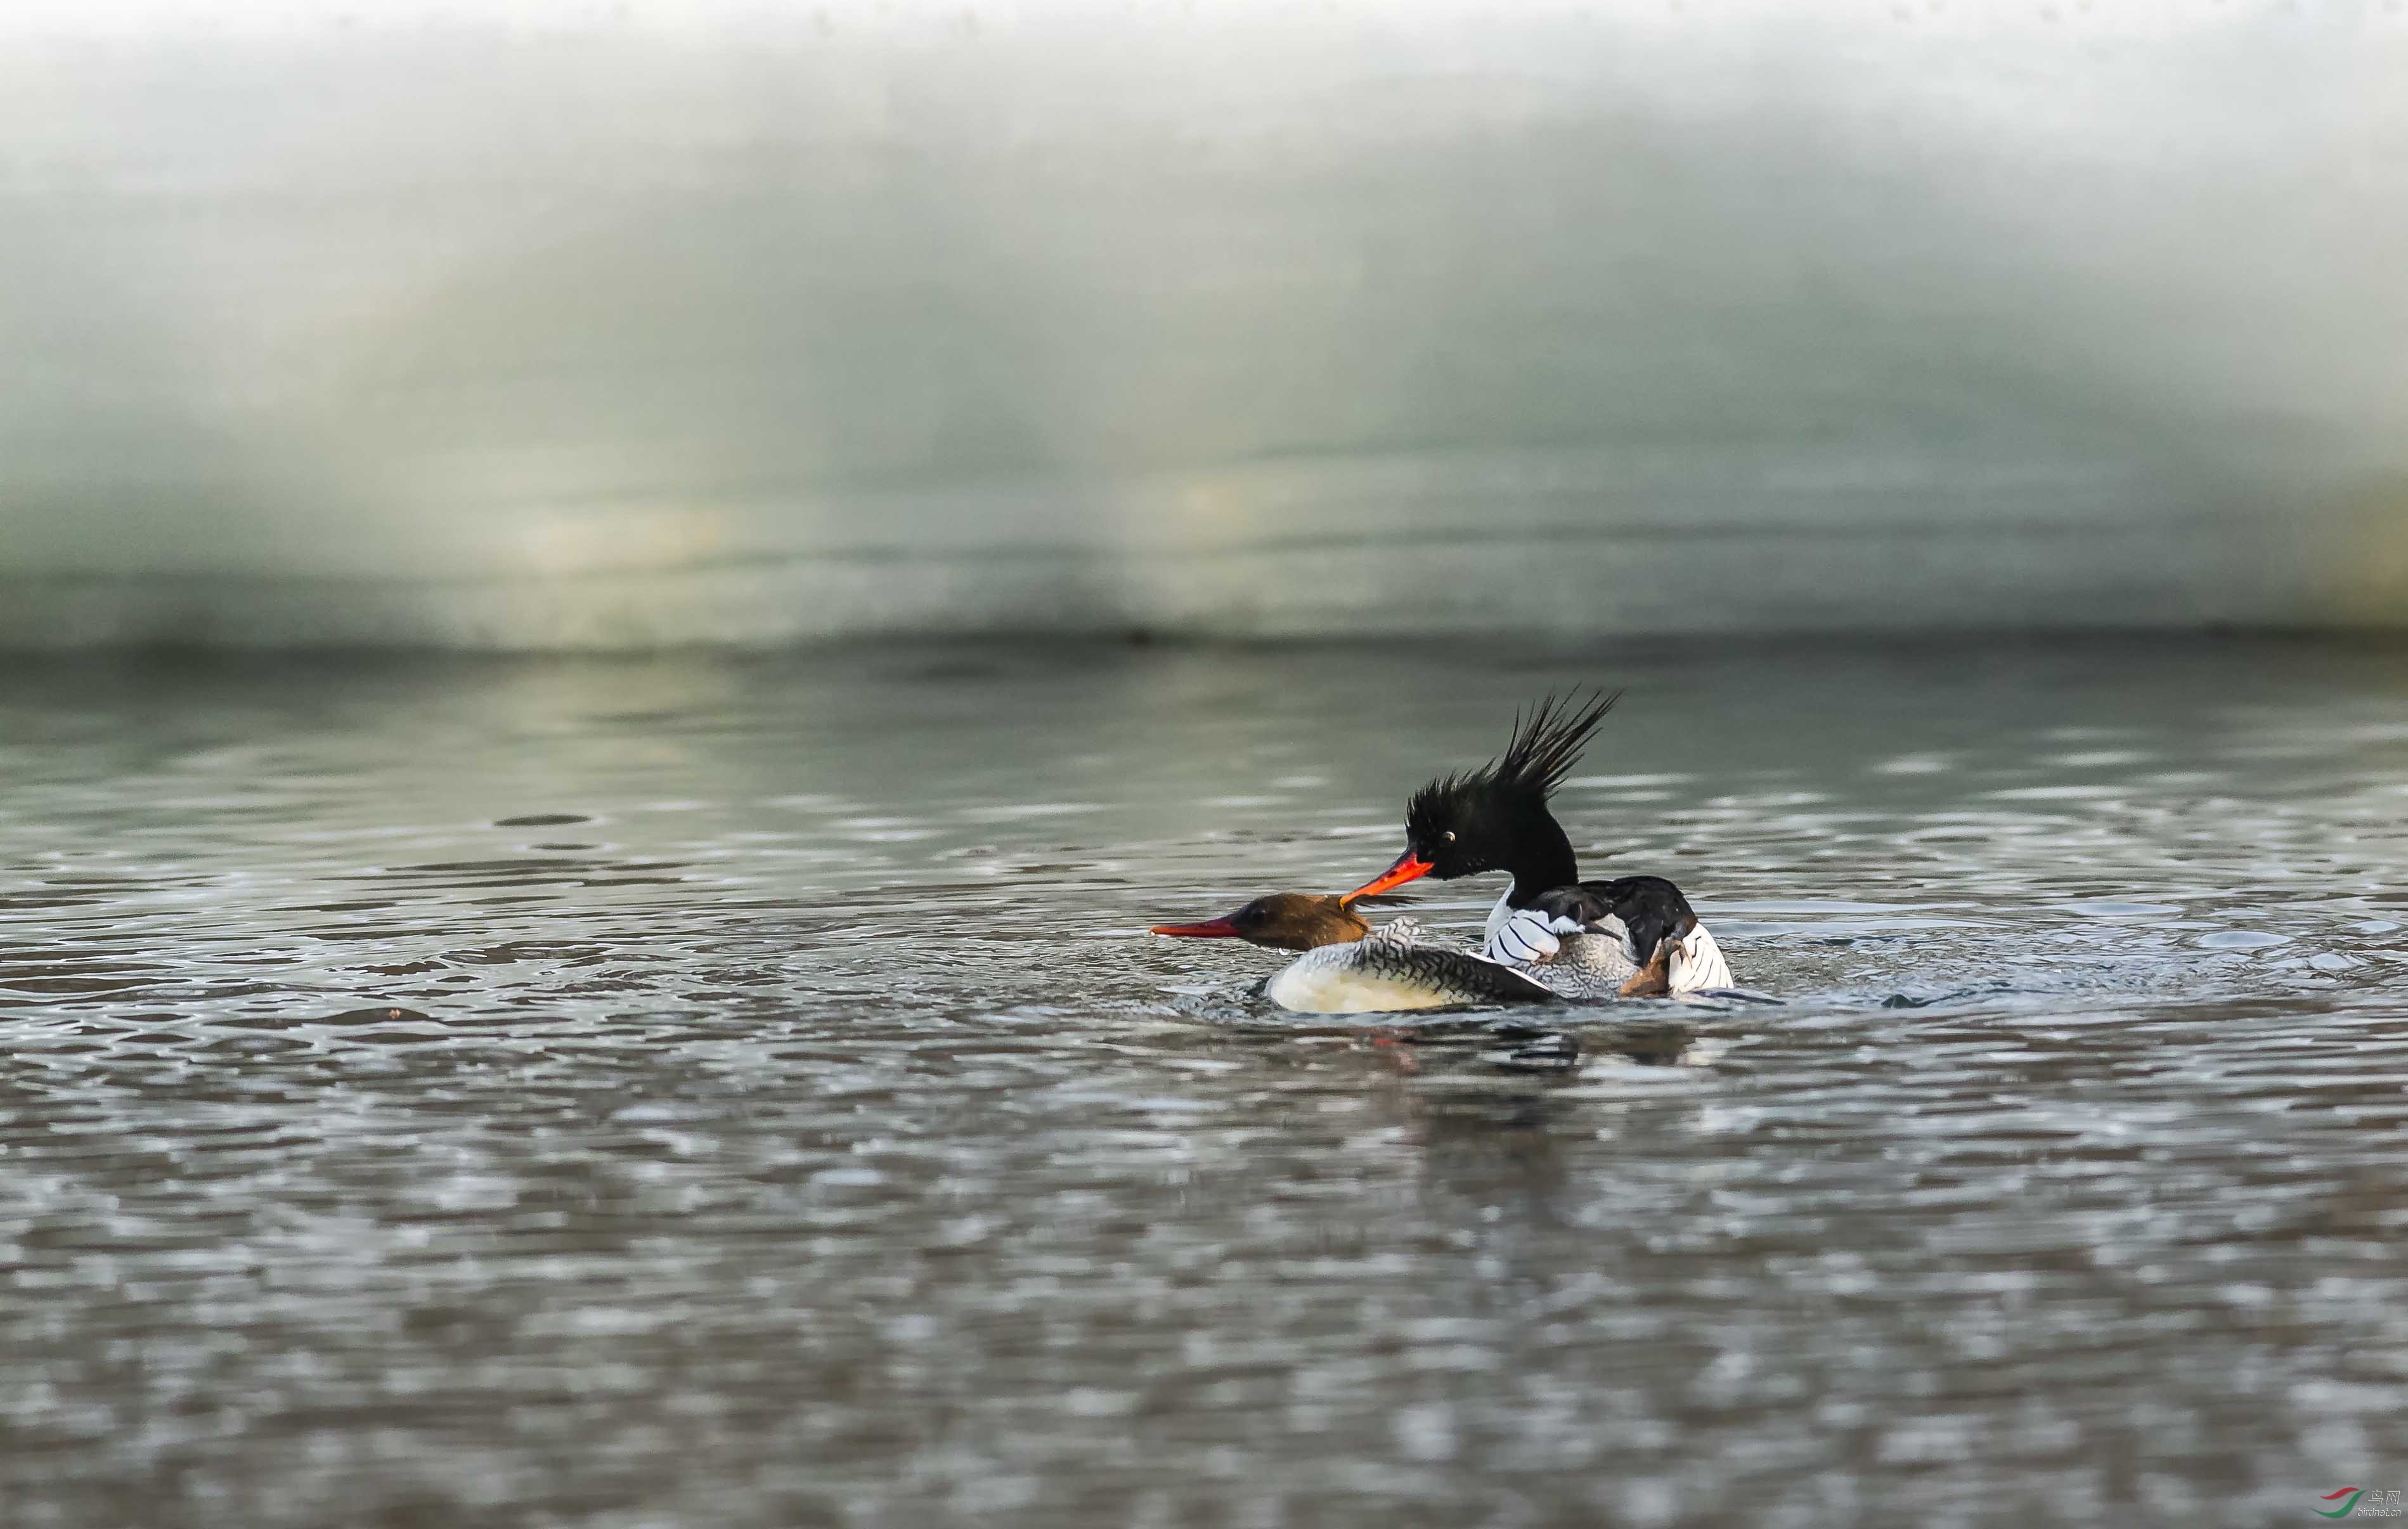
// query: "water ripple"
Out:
[817,1138]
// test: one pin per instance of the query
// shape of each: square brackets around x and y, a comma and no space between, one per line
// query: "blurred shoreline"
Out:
[545,325]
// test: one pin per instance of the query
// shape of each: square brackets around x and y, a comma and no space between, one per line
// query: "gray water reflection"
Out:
[739,1091]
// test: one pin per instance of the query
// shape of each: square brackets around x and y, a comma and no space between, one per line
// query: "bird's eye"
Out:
[1450,835]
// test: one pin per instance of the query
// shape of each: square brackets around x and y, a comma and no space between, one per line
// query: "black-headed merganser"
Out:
[1348,967]
[1586,939]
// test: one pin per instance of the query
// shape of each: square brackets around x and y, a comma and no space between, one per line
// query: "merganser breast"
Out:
[1348,967]
[1393,969]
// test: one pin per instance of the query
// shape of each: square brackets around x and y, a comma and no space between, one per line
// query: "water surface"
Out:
[739,1091]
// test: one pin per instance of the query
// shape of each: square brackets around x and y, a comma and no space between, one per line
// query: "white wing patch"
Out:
[1525,935]
[1497,917]
[1697,965]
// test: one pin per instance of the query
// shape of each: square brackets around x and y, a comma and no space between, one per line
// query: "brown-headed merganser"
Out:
[1586,939]
[1348,967]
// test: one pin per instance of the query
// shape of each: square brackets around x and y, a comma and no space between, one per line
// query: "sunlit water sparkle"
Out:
[740,1092]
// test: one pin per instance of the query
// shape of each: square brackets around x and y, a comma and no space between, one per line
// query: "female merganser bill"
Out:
[1584,939]
[1348,967]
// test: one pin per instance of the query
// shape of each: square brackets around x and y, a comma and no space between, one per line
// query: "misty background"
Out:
[543,324]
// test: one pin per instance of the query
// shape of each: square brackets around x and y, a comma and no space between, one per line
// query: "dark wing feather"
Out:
[1649,907]
[1585,905]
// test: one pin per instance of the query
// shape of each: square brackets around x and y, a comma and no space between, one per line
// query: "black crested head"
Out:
[1496,817]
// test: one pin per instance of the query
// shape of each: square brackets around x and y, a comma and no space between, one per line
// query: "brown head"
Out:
[1284,920]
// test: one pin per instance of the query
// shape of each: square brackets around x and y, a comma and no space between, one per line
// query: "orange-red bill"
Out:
[1408,867]
[1210,929]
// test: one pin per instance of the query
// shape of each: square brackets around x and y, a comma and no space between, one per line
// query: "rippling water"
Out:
[732,1091]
